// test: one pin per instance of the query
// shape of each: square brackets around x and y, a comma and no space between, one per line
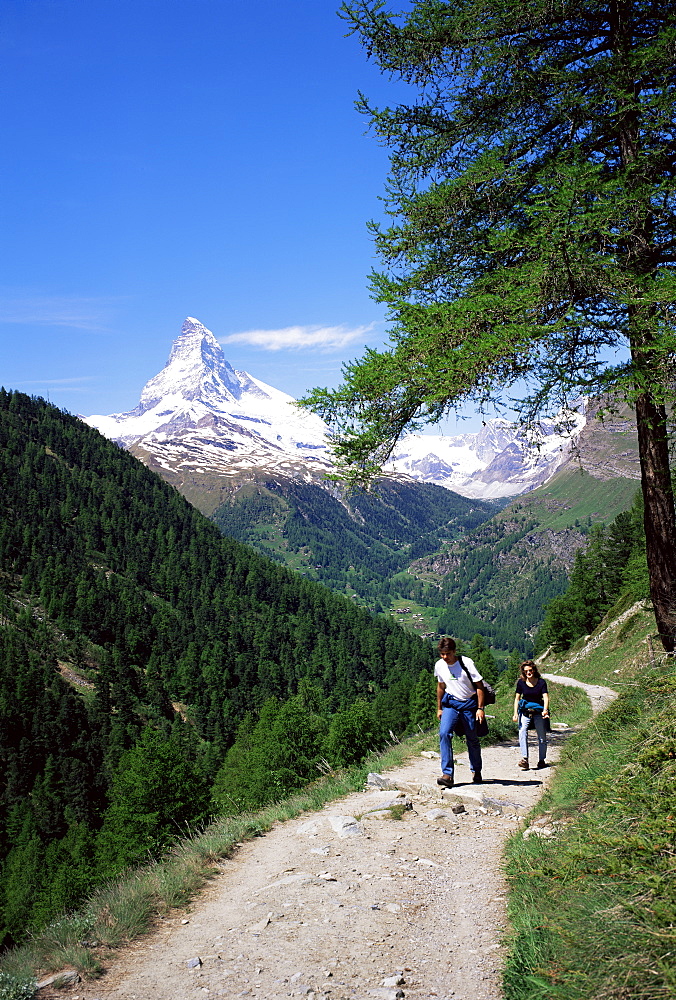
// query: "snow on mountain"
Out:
[200,417]
[497,461]
[199,413]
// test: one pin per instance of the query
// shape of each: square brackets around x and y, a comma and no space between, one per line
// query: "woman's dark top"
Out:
[534,693]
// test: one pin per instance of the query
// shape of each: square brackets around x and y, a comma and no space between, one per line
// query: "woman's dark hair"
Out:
[446,644]
[529,663]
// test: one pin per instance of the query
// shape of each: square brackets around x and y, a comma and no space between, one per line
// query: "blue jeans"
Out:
[539,723]
[451,711]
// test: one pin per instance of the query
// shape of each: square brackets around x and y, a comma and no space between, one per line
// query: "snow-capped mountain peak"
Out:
[200,418]
[197,370]
[202,414]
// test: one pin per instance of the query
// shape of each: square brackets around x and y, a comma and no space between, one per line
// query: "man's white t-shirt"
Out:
[456,680]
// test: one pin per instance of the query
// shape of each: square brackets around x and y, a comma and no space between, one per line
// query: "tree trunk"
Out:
[659,514]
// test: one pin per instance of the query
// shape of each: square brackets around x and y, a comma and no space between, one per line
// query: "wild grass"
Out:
[63,944]
[593,910]
[618,647]
[568,704]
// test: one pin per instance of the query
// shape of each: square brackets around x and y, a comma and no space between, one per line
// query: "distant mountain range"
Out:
[245,455]
[203,425]
[498,461]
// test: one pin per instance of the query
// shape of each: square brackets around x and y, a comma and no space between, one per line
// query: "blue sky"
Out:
[173,158]
[166,158]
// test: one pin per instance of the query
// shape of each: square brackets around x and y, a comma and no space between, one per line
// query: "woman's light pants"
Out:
[539,723]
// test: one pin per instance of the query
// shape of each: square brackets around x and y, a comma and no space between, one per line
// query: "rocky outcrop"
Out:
[607,447]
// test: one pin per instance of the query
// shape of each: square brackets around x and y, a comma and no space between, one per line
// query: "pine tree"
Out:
[484,659]
[157,794]
[533,241]
[423,704]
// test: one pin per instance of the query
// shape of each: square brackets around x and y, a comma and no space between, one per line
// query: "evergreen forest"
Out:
[497,581]
[354,542]
[153,672]
[494,575]
[613,566]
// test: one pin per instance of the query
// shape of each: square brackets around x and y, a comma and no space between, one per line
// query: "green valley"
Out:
[355,543]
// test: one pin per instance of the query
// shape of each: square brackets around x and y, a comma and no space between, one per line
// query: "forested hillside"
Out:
[613,566]
[140,650]
[353,542]
[469,568]
[500,578]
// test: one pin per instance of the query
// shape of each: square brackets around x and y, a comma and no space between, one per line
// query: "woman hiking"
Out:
[531,706]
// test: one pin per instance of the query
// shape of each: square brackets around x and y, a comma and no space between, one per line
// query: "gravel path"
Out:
[351,902]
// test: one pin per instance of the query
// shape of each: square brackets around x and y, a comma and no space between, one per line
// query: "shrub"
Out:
[16,987]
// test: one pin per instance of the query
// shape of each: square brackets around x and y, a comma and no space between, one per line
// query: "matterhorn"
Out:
[200,420]
[206,427]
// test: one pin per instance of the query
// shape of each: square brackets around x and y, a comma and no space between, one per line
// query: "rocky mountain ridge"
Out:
[204,426]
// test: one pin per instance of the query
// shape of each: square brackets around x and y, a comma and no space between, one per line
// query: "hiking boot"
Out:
[523,764]
[477,779]
[445,781]
[541,764]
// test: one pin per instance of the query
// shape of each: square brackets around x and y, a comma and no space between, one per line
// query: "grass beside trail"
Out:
[593,910]
[568,704]
[616,649]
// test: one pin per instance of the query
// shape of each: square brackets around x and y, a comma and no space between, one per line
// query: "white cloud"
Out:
[58,383]
[72,311]
[324,338]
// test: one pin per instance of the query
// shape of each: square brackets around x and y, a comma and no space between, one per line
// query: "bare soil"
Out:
[387,893]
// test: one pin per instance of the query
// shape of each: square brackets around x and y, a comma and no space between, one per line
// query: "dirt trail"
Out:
[323,907]
[599,695]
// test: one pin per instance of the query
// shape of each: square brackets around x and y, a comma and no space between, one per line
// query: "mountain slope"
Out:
[136,644]
[352,543]
[86,523]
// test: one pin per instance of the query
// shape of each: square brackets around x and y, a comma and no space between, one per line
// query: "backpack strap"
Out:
[475,684]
